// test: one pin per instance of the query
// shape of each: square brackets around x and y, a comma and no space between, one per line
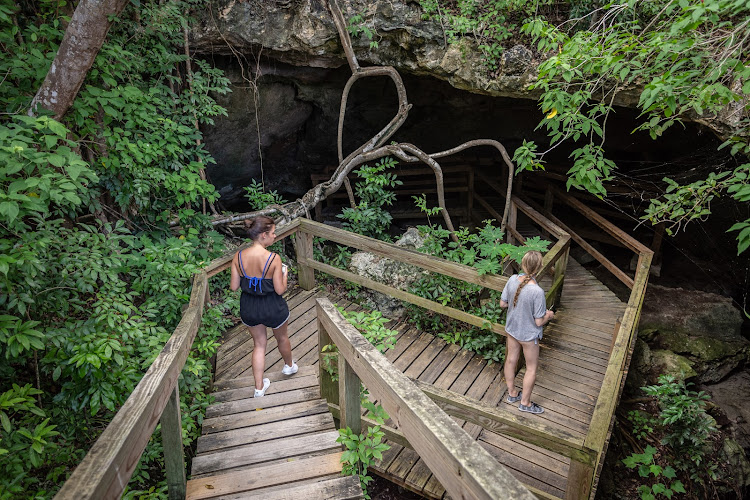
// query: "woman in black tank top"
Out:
[262,278]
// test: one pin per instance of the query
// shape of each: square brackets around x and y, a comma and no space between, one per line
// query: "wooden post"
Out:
[319,212]
[560,267]
[349,402]
[549,198]
[171,438]
[329,390]
[304,244]
[580,480]
[512,220]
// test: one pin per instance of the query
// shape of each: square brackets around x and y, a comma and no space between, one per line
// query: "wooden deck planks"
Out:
[280,446]
[574,356]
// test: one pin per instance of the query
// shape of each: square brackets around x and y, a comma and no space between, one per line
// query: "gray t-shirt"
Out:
[531,304]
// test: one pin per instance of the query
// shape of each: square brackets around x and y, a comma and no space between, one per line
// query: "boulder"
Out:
[703,328]
[389,272]
[732,395]
[664,362]
[735,458]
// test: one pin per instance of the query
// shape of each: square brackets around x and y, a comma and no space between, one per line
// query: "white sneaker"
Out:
[290,370]
[259,393]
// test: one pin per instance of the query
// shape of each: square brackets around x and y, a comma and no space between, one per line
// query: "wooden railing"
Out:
[463,466]
[497,419]
[106,469]
[625,331]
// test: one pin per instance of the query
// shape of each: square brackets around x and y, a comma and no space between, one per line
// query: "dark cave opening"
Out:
[286,132]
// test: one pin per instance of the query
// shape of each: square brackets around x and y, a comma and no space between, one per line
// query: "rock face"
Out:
[302,33]
[388,272]
[733,396]
[697,332]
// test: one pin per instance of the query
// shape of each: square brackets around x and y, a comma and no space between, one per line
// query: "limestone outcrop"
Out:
[302,33]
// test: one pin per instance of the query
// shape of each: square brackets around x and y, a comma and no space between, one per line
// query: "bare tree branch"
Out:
[375,148]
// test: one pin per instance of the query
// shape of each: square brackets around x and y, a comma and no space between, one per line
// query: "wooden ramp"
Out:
[573,359]
[295,425]
[281,446]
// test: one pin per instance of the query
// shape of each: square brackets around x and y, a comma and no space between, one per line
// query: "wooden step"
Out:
[282,473]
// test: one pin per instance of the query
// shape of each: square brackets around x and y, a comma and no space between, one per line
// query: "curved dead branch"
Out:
[374,148]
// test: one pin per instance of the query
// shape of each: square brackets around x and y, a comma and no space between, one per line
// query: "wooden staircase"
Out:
[280,446]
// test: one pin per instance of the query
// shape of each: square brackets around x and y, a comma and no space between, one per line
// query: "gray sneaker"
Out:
[511,399]
[532,408]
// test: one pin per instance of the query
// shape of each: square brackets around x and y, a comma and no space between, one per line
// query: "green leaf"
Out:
[56,160]
[10,210]
[75,169]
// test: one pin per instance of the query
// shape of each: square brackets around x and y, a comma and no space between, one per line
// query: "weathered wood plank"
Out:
[285,472]
[340,488]
[264,416]
[251,404]
[280,385]
[264,432]
[249,381]
[257,453]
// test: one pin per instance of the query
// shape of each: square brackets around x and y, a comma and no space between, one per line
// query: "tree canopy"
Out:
[689,60]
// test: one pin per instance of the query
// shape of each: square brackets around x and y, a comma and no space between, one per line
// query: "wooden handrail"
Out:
[620,235]
[405,296]
[534,215]
[107,467]
[601,419]
[413,257]
[462,466]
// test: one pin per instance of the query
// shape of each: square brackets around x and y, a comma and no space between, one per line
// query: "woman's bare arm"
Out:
[279,277]
[234,282]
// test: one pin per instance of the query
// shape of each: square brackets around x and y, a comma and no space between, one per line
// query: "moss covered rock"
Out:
[703,328]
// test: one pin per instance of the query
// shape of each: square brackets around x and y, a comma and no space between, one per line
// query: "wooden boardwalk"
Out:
[281,446]
[574,356]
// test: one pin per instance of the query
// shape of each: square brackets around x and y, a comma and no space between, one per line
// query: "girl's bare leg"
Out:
[259,353]
[531,355]
[512,353]
[285,347]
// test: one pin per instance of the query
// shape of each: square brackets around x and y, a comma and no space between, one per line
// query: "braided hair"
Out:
[531,265]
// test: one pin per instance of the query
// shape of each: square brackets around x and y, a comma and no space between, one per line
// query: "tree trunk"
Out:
[84,37]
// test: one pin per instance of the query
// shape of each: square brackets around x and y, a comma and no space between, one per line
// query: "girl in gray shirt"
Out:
[527,314]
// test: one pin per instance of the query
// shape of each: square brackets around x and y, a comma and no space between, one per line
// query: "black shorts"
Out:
[268,310]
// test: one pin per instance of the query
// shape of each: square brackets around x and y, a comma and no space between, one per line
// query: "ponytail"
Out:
[531,265]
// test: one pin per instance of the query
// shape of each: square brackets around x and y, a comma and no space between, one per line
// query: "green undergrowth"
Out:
[674,443]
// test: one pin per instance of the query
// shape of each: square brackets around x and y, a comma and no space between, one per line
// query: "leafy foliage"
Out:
[644,462]
[689,59]
[92,282]
[362,448]
[370,217]
[684,418]
[358,26]
[259,198]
